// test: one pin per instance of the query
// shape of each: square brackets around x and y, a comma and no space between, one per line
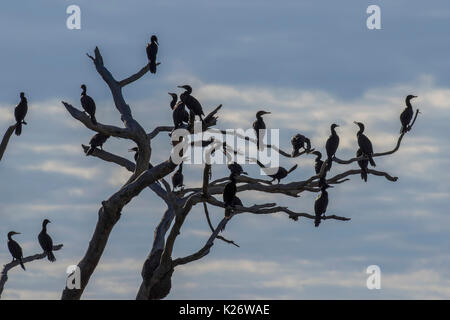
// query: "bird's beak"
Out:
[355,122]
[17,233]
[49,221]
[181,87]
[266,112]
[414,96]
[130,150]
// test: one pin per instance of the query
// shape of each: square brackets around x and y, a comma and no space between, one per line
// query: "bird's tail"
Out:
[152,67]
[317,221]
[94,121]
[21,264]
[18,128]
[51,256]
[364,174]
[329,162]
[228,211]
[90,151]
[292,169]
[372,163]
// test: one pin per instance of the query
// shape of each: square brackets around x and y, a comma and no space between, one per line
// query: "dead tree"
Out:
[160,264]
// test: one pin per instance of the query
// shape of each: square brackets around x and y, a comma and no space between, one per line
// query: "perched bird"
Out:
[236,202]
[88,104]
[320,205]
[20,112]
[236,169]
[332,145]
[260,129]
[177,178]
[15,249]
[179,113]
[281,172]
[407,114]
[318,167]
[363,165]
[46,241]
[191,103]
[364,143]
[152,50]
[229,193]
[96,141]
[299,141]
[136,153]
[174,100]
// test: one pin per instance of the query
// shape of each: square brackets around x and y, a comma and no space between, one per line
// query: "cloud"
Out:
[53,166]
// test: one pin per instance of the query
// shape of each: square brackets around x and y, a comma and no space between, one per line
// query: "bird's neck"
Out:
[333,132]
[9,237]
[408,104]
[44,228]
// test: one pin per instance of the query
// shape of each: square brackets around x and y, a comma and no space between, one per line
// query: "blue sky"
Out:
[310,64]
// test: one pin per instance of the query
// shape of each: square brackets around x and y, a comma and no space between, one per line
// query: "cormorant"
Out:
[298,141]
[320,205]
[280,174]
[260,128]
[88,104]
[363,165]
[46,241]
[179,113]
[236,202]
[407,114]
[177,178]
[96,141]
[229,193]
[15,248]
[152,50]
[236,168]
[318,166]
[20,112]
[364,143]
[332,145]
[174,100]
[191,103]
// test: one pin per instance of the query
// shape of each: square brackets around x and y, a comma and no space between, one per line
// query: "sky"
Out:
[310,63]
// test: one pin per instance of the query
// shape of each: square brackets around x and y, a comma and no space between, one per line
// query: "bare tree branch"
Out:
[9,266]
[381,154]
[5,139]
[212,228]
[136,76]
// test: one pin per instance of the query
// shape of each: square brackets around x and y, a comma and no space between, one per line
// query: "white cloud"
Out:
[65,168]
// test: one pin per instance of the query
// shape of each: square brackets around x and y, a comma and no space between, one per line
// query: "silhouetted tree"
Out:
[160,264]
